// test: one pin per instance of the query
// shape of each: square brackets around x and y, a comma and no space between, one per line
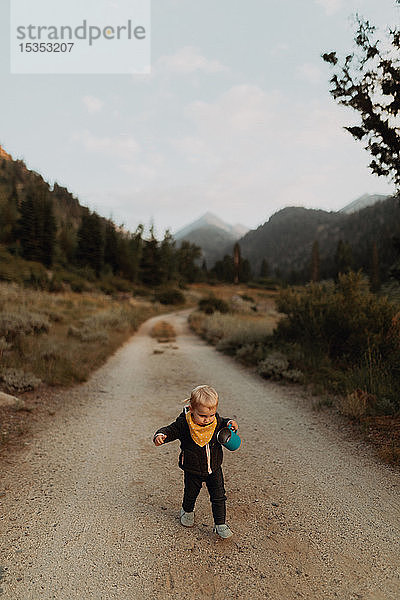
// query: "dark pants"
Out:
[216,489]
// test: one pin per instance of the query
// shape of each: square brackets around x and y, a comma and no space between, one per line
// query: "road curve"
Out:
[89,508]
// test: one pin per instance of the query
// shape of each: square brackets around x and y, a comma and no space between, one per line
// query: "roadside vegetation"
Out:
[59,339]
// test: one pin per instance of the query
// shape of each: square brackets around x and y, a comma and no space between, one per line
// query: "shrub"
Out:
[172,297]
[342,321]
[16,380]
[273,365]
[213,304]
[350,338]
[14,324]
[276,366]
[250,354]
[163,331]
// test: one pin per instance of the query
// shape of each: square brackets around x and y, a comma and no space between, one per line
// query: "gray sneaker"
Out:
[187,518]
[223,531]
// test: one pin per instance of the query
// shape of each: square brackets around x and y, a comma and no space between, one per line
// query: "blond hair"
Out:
[203,395]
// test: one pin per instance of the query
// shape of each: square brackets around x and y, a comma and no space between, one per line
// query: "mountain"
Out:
[214,236]
[286,240]
[362,202]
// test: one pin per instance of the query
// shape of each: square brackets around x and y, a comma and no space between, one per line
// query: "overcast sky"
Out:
[235,118]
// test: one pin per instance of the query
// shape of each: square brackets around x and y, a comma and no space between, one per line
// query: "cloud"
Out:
[93,105]
[189,60]
[331,6]
[123,146]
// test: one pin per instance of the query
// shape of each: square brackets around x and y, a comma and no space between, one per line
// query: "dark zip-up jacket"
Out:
[193,458]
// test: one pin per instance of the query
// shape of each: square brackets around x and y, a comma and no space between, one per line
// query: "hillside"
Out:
[286,240]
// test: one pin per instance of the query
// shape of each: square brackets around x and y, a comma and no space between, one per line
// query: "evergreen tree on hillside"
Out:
[168,258]
[245,273]
[28,230]
[135,252]
[111,247]
[37,228]
[343,258]
[236,262]
[48,232]
[67,243]
[90,248]
[224,269]
[187,256]
[150,266]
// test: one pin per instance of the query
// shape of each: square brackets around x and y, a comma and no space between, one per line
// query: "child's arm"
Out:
[167,434]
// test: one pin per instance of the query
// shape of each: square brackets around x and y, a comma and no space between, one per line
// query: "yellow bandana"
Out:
[200,435]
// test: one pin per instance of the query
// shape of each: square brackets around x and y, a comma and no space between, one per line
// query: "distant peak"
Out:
[362,202]
[209,219]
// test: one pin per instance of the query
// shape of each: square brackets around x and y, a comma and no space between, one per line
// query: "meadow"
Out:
[59,339]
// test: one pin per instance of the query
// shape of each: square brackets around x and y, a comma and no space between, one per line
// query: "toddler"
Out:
[201,454]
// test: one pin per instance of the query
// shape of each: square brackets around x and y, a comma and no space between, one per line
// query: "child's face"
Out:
[203,415]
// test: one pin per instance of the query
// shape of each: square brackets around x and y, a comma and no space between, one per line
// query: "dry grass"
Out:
[61,338]
[163,332]
[356,404]
[263,299]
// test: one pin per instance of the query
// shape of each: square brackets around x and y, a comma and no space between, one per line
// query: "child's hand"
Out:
[159,439]
[234,425]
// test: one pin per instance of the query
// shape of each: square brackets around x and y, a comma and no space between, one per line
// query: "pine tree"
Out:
[343,257]
[111,247]
[168,258]
[245,273]
[29,230]
[90,247]
[150,267]
[187,256]
[48,228]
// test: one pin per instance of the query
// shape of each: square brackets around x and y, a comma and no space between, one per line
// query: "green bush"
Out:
[172,296]
[350,338]
[213,304]
[343,321]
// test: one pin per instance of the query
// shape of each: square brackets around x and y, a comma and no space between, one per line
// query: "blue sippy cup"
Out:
[229,438]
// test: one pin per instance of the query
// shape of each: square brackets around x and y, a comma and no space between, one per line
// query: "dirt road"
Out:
[89,509]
